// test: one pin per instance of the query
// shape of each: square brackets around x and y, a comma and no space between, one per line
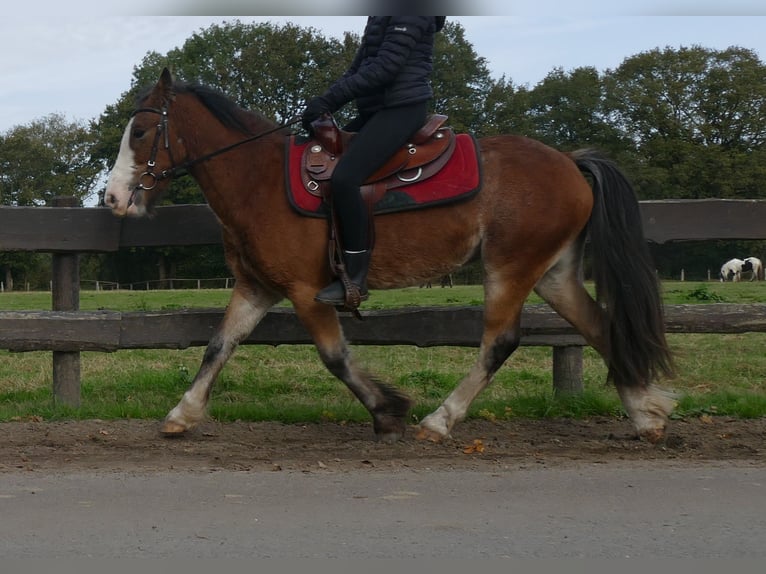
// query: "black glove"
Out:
[315,108]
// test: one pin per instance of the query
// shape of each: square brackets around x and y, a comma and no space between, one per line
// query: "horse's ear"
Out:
[165,85]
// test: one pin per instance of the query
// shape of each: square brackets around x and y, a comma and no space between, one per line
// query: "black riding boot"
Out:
[357,265]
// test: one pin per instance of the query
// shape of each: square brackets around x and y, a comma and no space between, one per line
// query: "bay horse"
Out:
[528,224]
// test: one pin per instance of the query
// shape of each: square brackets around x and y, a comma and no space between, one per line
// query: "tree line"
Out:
[683,123]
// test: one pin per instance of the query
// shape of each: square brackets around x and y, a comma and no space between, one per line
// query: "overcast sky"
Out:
[77,57]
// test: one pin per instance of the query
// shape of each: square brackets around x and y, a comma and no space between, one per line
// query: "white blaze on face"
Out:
[122,178]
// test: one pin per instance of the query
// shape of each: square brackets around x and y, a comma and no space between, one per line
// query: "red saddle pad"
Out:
[458,180]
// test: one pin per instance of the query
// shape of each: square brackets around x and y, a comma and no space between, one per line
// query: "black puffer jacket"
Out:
[392,66]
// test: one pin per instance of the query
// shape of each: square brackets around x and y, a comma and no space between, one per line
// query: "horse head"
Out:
[145,162]
[179,127]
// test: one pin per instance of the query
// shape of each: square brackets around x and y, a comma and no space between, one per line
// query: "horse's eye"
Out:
[138,133]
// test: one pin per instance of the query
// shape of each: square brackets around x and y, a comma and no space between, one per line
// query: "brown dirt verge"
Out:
[136,445]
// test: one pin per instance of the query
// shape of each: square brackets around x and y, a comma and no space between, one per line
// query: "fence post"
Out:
[65,290]
[567,370]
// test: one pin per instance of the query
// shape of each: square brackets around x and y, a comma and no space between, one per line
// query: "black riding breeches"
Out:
[375,142]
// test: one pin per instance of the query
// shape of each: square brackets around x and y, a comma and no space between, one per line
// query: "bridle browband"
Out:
[148,180]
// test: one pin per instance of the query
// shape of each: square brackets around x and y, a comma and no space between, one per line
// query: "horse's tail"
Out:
[625,278]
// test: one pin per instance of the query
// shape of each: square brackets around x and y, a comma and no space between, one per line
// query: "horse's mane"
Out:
[222,107]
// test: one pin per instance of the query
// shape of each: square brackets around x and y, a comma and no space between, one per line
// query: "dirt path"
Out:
[136,445]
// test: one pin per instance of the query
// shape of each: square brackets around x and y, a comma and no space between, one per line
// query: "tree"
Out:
[696,119]
[265,67]
[461,79]
[567,111]
[47,158]
[505,110]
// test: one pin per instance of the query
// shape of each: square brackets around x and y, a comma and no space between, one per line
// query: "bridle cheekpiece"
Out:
[148,180]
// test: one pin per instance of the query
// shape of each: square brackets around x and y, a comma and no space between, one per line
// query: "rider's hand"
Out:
[315,108]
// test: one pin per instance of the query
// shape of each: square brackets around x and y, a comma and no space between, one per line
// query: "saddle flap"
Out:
[413,155]
[318,162]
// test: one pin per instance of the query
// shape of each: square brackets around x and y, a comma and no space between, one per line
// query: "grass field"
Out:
[718,374]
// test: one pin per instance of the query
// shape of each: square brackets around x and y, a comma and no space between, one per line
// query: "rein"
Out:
[148,180]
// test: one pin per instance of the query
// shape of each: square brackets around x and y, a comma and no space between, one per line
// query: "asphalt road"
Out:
[592,511]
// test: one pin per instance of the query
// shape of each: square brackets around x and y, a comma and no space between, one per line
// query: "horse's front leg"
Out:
[246,308]
[438,425]
[501,337]
[387,405]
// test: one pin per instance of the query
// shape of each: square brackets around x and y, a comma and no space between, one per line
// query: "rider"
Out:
[389,80]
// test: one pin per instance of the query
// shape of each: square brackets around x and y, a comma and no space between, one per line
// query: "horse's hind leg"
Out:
[562,288]
[246,308]
[387,405]
[648,406]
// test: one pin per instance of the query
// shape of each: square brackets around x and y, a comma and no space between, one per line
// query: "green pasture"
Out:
[717,374]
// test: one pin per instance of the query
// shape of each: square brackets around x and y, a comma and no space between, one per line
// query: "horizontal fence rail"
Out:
[110,331]
[95,229]
[67,231]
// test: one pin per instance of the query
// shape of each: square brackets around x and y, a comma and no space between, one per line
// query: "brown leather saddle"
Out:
[427,152]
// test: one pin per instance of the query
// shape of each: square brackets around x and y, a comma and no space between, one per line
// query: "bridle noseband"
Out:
[148,180]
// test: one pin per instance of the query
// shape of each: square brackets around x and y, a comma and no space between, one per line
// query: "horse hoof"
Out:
[424,433]
[389,437]
[653,436]
[389,428]
[172,429]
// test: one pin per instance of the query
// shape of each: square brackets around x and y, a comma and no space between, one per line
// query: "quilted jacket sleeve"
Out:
[375,73]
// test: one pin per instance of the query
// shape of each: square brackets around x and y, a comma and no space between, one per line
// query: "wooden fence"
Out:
[66,230]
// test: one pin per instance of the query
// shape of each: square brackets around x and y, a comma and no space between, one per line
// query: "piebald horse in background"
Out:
[731,270]
[528,225]
[754,266]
